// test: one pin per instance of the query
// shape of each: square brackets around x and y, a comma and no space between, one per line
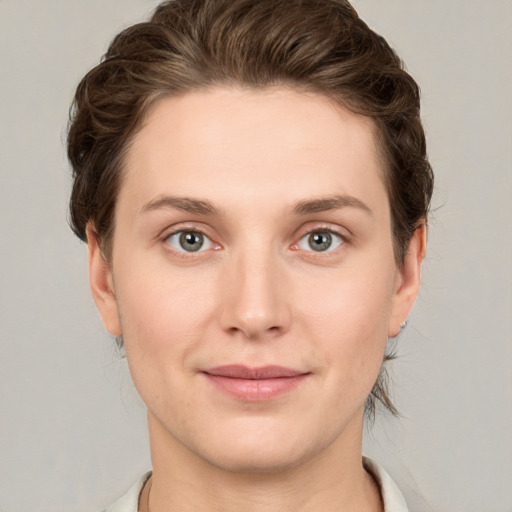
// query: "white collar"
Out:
[391,496]
[129,502]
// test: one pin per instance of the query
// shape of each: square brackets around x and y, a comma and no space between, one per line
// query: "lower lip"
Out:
[256,390]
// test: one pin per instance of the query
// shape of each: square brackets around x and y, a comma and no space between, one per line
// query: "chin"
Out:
[257,459]
[264,449]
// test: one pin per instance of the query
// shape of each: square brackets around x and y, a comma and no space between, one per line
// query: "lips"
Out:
[254,384]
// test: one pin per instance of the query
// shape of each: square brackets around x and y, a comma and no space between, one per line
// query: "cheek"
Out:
[163,316]
[162,330]
[351,302]
[348,317]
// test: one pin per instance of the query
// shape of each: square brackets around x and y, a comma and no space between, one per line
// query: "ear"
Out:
[102,284]
[408,280]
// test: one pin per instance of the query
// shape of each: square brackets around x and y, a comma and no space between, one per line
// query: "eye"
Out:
[320,241]
[189,241]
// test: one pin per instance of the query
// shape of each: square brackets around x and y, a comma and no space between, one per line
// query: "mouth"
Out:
[255,384]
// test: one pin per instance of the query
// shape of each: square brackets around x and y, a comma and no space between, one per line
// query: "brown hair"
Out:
[316,45]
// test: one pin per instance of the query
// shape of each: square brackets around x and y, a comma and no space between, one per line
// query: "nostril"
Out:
[253,332]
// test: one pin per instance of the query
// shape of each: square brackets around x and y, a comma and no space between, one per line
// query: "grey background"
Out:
[72,430]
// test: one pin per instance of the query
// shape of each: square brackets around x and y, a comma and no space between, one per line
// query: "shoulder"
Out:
[391,496]
[129,502]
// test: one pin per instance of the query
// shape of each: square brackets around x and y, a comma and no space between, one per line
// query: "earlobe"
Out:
[408,281]
[102,285]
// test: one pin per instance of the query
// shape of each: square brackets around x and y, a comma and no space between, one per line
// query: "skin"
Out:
[255,294]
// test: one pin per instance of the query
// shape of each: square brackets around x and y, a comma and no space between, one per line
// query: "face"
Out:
[253,277]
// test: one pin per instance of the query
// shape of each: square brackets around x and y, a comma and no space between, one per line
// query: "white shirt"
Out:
[391,496]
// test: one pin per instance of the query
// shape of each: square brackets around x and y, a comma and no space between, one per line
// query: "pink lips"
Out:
[254,384]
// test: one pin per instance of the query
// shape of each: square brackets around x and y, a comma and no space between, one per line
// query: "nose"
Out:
[254,296]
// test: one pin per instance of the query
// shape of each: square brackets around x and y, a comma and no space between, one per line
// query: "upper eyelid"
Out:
[184,254]
[192,227]
[324,230]
[344,233]
[333,232]
[166,233]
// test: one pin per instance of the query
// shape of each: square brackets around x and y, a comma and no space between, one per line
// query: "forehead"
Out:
[273,141]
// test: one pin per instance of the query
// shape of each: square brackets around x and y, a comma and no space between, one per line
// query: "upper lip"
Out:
[237,371]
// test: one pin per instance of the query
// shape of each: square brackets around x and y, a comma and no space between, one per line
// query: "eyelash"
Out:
[189,230]
[342,238]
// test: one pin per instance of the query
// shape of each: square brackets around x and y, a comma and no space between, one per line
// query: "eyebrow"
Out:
[330,203]
[185,204]
[203,207]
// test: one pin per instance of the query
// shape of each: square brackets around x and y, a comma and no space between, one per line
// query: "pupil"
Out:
[320,241]
[191,241]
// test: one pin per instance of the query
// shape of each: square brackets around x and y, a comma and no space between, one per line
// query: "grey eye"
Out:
[320,241]
[189,241]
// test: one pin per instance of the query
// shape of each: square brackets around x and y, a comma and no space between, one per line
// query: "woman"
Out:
[252,182]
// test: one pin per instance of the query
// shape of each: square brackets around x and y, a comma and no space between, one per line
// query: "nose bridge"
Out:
[254,301]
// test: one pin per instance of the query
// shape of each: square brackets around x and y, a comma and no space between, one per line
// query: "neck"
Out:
[331,480]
